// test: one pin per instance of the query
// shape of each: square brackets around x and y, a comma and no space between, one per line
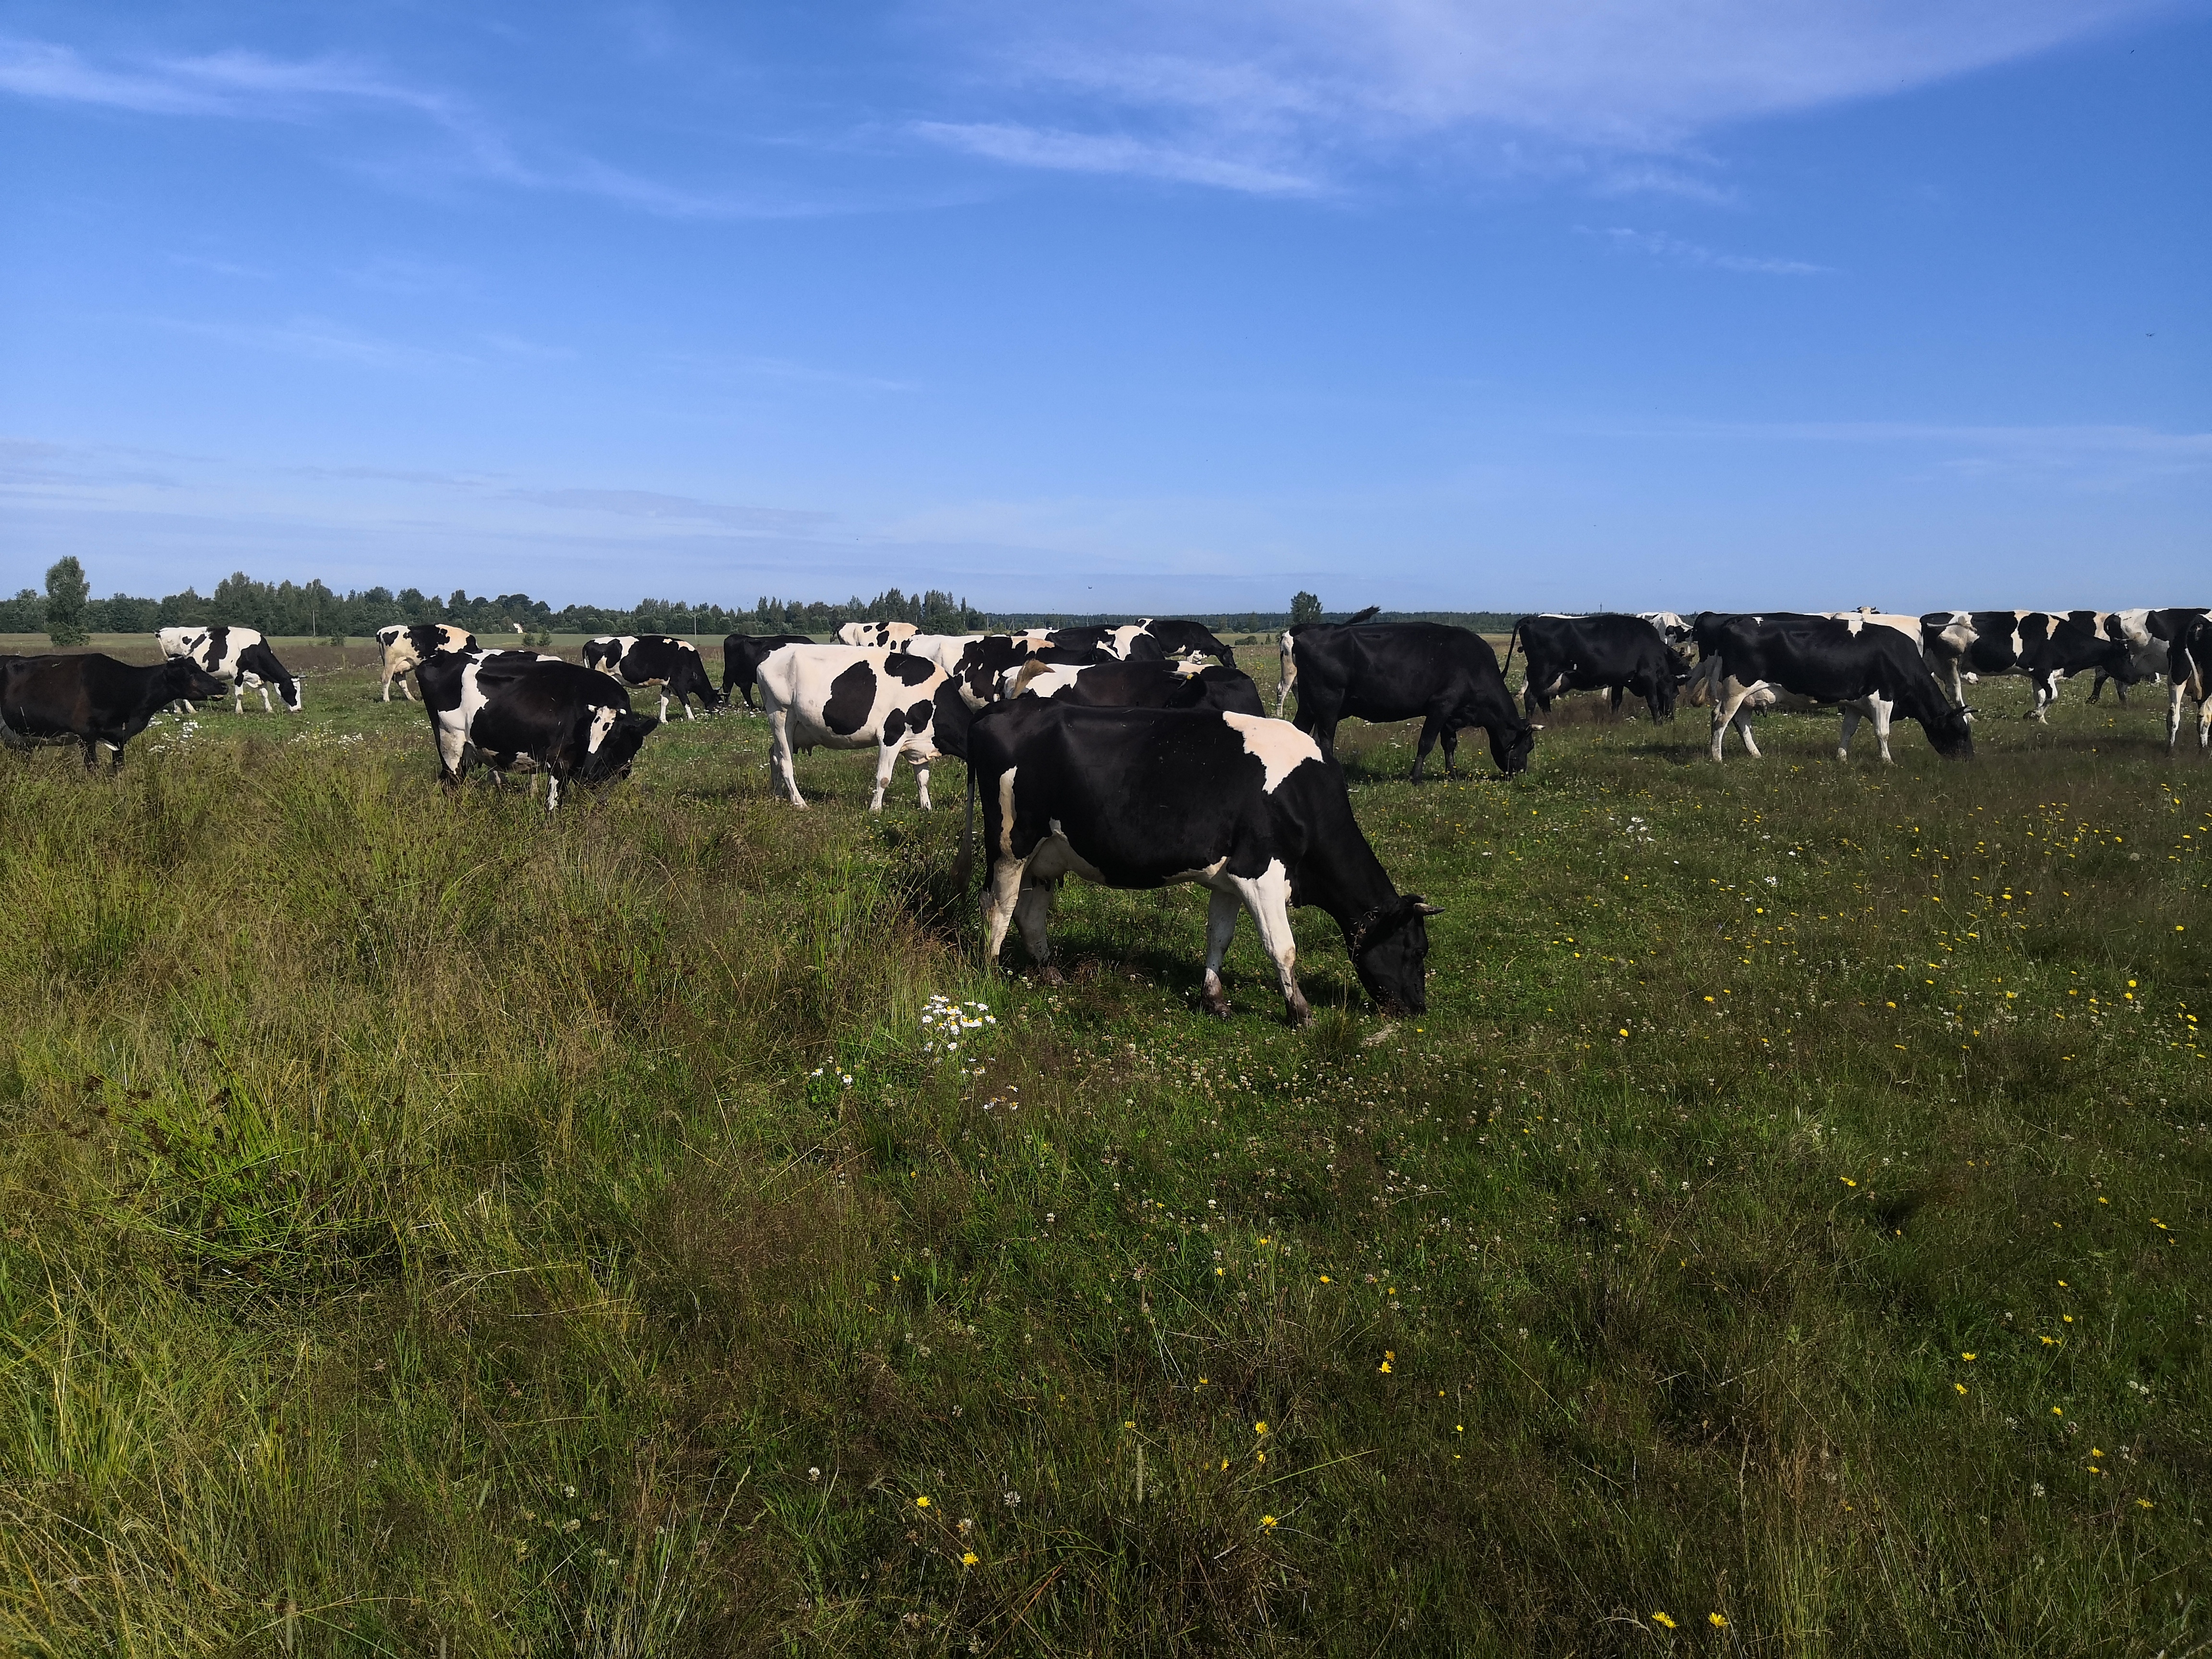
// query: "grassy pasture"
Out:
[426,1229]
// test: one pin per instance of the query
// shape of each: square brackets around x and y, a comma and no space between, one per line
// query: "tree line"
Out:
[68,614]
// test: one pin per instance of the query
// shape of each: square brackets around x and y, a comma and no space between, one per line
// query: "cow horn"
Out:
[1423,907]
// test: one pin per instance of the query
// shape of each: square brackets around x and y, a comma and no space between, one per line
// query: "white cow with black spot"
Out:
[838,696]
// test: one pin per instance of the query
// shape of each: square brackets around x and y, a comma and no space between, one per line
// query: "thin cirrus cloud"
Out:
[1674,250]
[1251,94]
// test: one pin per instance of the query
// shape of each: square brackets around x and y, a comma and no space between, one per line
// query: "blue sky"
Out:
[1462,303]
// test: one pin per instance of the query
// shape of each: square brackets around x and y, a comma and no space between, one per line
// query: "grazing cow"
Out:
[741,659]
[2150,636]
[847,697]
[1247,808]
[1607,652]
[2045,645]
[659,660]
[1286,655]
[1873,672]
[982,665]
[238,656]
[1445,677]
[1125,642]
[91,699]
[1139,685]
[406,644]
[875,634]
[500,707]
[2190,675]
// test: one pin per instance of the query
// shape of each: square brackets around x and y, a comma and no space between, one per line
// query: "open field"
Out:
[429,1229]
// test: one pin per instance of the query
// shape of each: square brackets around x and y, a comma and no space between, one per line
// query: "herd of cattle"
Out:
[1124,756]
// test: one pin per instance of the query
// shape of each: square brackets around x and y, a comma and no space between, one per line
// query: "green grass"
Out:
[426,1228]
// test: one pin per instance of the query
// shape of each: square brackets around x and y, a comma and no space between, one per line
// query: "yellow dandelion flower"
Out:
[1266,1520]
[1965,1356]
[1661,1619]
[1961,1386]
[1717,1621]
[1847,1180]
[921,1503]
[1324,1279]
[968,1558]
[1258,1428]
[2145,1503]
[2056,1412]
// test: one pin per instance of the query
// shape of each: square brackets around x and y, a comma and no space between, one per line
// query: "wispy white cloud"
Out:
[1676,250]
[1078,152]
[678,509]
[317,339]
[1266,89]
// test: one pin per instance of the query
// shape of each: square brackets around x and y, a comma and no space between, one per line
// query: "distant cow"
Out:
[1447,677]
[499,707]
[657,660]
[2189,677]
[741,659]
[837,697]
[92,699]
[406,644]
[1606,652]
[1671,626]
[1873,672]
[2045,645]
[1139,685]
[1249,808]
[875,634]
[238,656]
[2150,636]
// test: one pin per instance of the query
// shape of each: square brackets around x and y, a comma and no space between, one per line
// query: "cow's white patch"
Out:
[1006,811]
[1281,747]
[603,721]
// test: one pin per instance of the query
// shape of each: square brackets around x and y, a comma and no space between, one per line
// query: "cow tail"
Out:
[1511,639]
[965,866]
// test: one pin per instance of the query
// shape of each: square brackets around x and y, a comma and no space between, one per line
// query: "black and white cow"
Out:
[1604,652]
[873,634]
[1871,670]
[1446,677]
[658,659]
[91,699]
[1247,808]
[1139,685]
[1671,626]
[2150,635]
[838,696]
[2045,645]
[500,707]
[1124,642]
[2189,677]
[406,644]
[741,659]
[239,657]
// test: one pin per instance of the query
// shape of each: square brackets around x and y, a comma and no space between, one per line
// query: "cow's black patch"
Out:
[917,718]
[852,697]
[894,726]
[909,670]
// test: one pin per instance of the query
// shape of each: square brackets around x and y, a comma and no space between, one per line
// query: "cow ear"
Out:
[1422,908]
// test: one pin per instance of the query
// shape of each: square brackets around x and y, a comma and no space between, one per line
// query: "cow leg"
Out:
[1884,709]
[1450,737]
[921,782]
[1032,905]
[1267,896]
[886,758]
[2204,725]
[1430,727]
[2172,713]
[92,754]
[1002,892]
[2046,693]
[663,715]
[1728,699]
[1850,726]
[1743,730]
[779,726]
[552,792]
[1223,907]
[265,708]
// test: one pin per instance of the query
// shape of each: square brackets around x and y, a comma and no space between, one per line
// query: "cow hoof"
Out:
[1218,1006]
[1049,975]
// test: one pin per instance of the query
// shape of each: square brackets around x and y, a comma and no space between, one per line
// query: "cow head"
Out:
[183,678]
[1951,733]
[1389,949]
[612,744]
[1511,745]
[288,690]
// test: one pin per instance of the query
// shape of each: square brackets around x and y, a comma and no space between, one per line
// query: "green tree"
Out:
[1304,608]
[67,590]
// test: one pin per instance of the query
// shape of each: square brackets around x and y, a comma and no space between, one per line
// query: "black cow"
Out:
[1607,652]
[1872,671]
[2190,675]
[1250,809]
[2150,636]
[2045,645]
[499,707]
[741,660]
[92,699]
[1112,684]
[1447,677]
[660,659]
